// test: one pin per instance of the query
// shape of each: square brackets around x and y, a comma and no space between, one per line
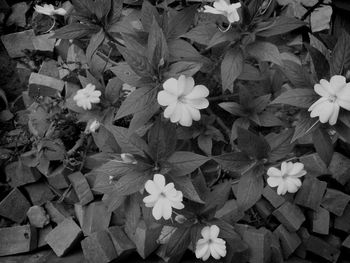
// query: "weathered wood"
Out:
[320,221]
[237,251]
[259,243]
[335,201]
[44,43]
[41,85]
[314,165]
[42,233]
[49,68]
[122,244]
[304,236]
[271,196]
[39,193]
[346,243]
[276,250]
[161,252]
[37,216]
[290,216]
[64,236]
[17,239]
[264,208]
[289,240]
[18,174]
[22,40]
[58,212]
[14,206]
[339,167]
[343,222]
[98,248]
[311,192]
[81,187]
[321,248]
[145,238]
[93,217]
[58,178]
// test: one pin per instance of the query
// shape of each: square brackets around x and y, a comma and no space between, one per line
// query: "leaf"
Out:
[181,22]
[113,200]
[302,98]
[157,48]
[233,107]
[319,61]
[95,41]
[340,58]
[185,185]
[323,145]
[265,51]
[115,11]
[304,126]
[130,183]
[113,89]
[205,143]
[178,242]
[83,7]
[134,43]
[105,141]
[125,73]
[138,63]
[148,12]
[102,8]
[280,144]
[268,119]
[184,163]
[231,67]
[279,25]
[202,33]
[182,68]
[253,145]
[75,30]
[250,72]
[140,118]
[129,143]
[250,188]
[132,213]
[182,50]
[296,74]
[235,161]
[18,15]
[137,101]
[217,198]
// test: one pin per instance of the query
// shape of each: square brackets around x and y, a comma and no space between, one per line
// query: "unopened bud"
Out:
[92,126]
[128,158]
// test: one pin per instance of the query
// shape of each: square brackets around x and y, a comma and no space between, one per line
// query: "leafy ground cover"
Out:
[169,131]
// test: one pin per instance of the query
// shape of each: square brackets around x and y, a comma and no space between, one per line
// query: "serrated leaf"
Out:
[75,30]
[231,67]
[140,118]
[179,242]
[252,144]
[182,68]
[183,163]
[113,200]
[302,98]
[148,11]
[296,74]
[279,25]
[235,161]
[250,188]
[340,57]
[280,144]
[95,41]
[181,22]
[319,61]
[323,145]
[265,51]
[157,48]
[202,33]
[126,74]
[185,185]
[130,183]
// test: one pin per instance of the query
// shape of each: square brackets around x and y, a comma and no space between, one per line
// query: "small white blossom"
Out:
[287,179]
[335,95]
[183,100]
[128,158]
[162,197]
[49,10]
[86,96]
[210,244]
[225,8]
[92,126]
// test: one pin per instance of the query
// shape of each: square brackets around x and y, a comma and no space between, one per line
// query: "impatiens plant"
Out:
[216,127]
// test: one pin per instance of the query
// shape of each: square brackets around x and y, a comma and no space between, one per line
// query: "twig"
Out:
[311,9]
[77,145]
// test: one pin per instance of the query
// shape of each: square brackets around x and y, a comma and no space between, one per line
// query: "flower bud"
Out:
[128,158]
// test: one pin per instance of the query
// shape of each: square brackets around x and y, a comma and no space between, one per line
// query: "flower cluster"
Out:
[86,96]
[49,10]
[225,8]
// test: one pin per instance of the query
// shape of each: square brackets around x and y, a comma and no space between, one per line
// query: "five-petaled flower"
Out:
[224,7]
[86,96]
[210,244]
[162,197]
[183,100]
[50,10]
[287,179]
[335,95]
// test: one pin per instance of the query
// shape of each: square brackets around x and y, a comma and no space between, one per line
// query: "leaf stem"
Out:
[311,9]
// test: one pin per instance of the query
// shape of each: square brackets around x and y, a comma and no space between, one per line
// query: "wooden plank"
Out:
[314,165]
[37,216]
[17,239]
[290,216]
[49,68]
[98,248]
[64,237]
[321,248]
[320,221]
[259,243]
[340,168]
[41,85]
[264,208]
[14,206]
[122,244]
[310,194]
[304,235]
[271,196]
[18,174]
[58,212]
[23,41]
[343,222]
[276,250]
[42,233]
[58,178]
[44,43]
[39,193]
[81,187]
[346,243]
[335,201]
[289,240]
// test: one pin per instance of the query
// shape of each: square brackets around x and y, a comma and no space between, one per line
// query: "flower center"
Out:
[332,98]
[284,176]
[182,99]
[162,195]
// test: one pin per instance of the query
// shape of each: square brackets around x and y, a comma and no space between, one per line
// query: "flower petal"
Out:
[185,85]
[274,181]
[167,210]
[282,189]
[273,171]
[198,103]
[205,232]
[186,118]
[334,117]
[170,110]
[198,92]
[327,86]
[152,188]
[170,85]
[177,114]
[343,97]
[166,98]
[214,231]
[150,199]
[159,180]
[201,248]
[321,90]
[316,103]
[297,167]
[212,10]
[213,252]
[337,83]
[221,5]
[195,114]
[233,16]
[157,210]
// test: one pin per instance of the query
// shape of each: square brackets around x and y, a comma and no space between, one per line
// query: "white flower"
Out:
[223,7]
[86,96]
[183,100]
[162,197]
[49,10]
[92,126]
[128,158]
[287,179]
[128,89]
[210,244]
[335,94]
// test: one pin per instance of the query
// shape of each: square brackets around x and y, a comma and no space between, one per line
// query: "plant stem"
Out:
[311,9]
[77,145]
[220,122]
